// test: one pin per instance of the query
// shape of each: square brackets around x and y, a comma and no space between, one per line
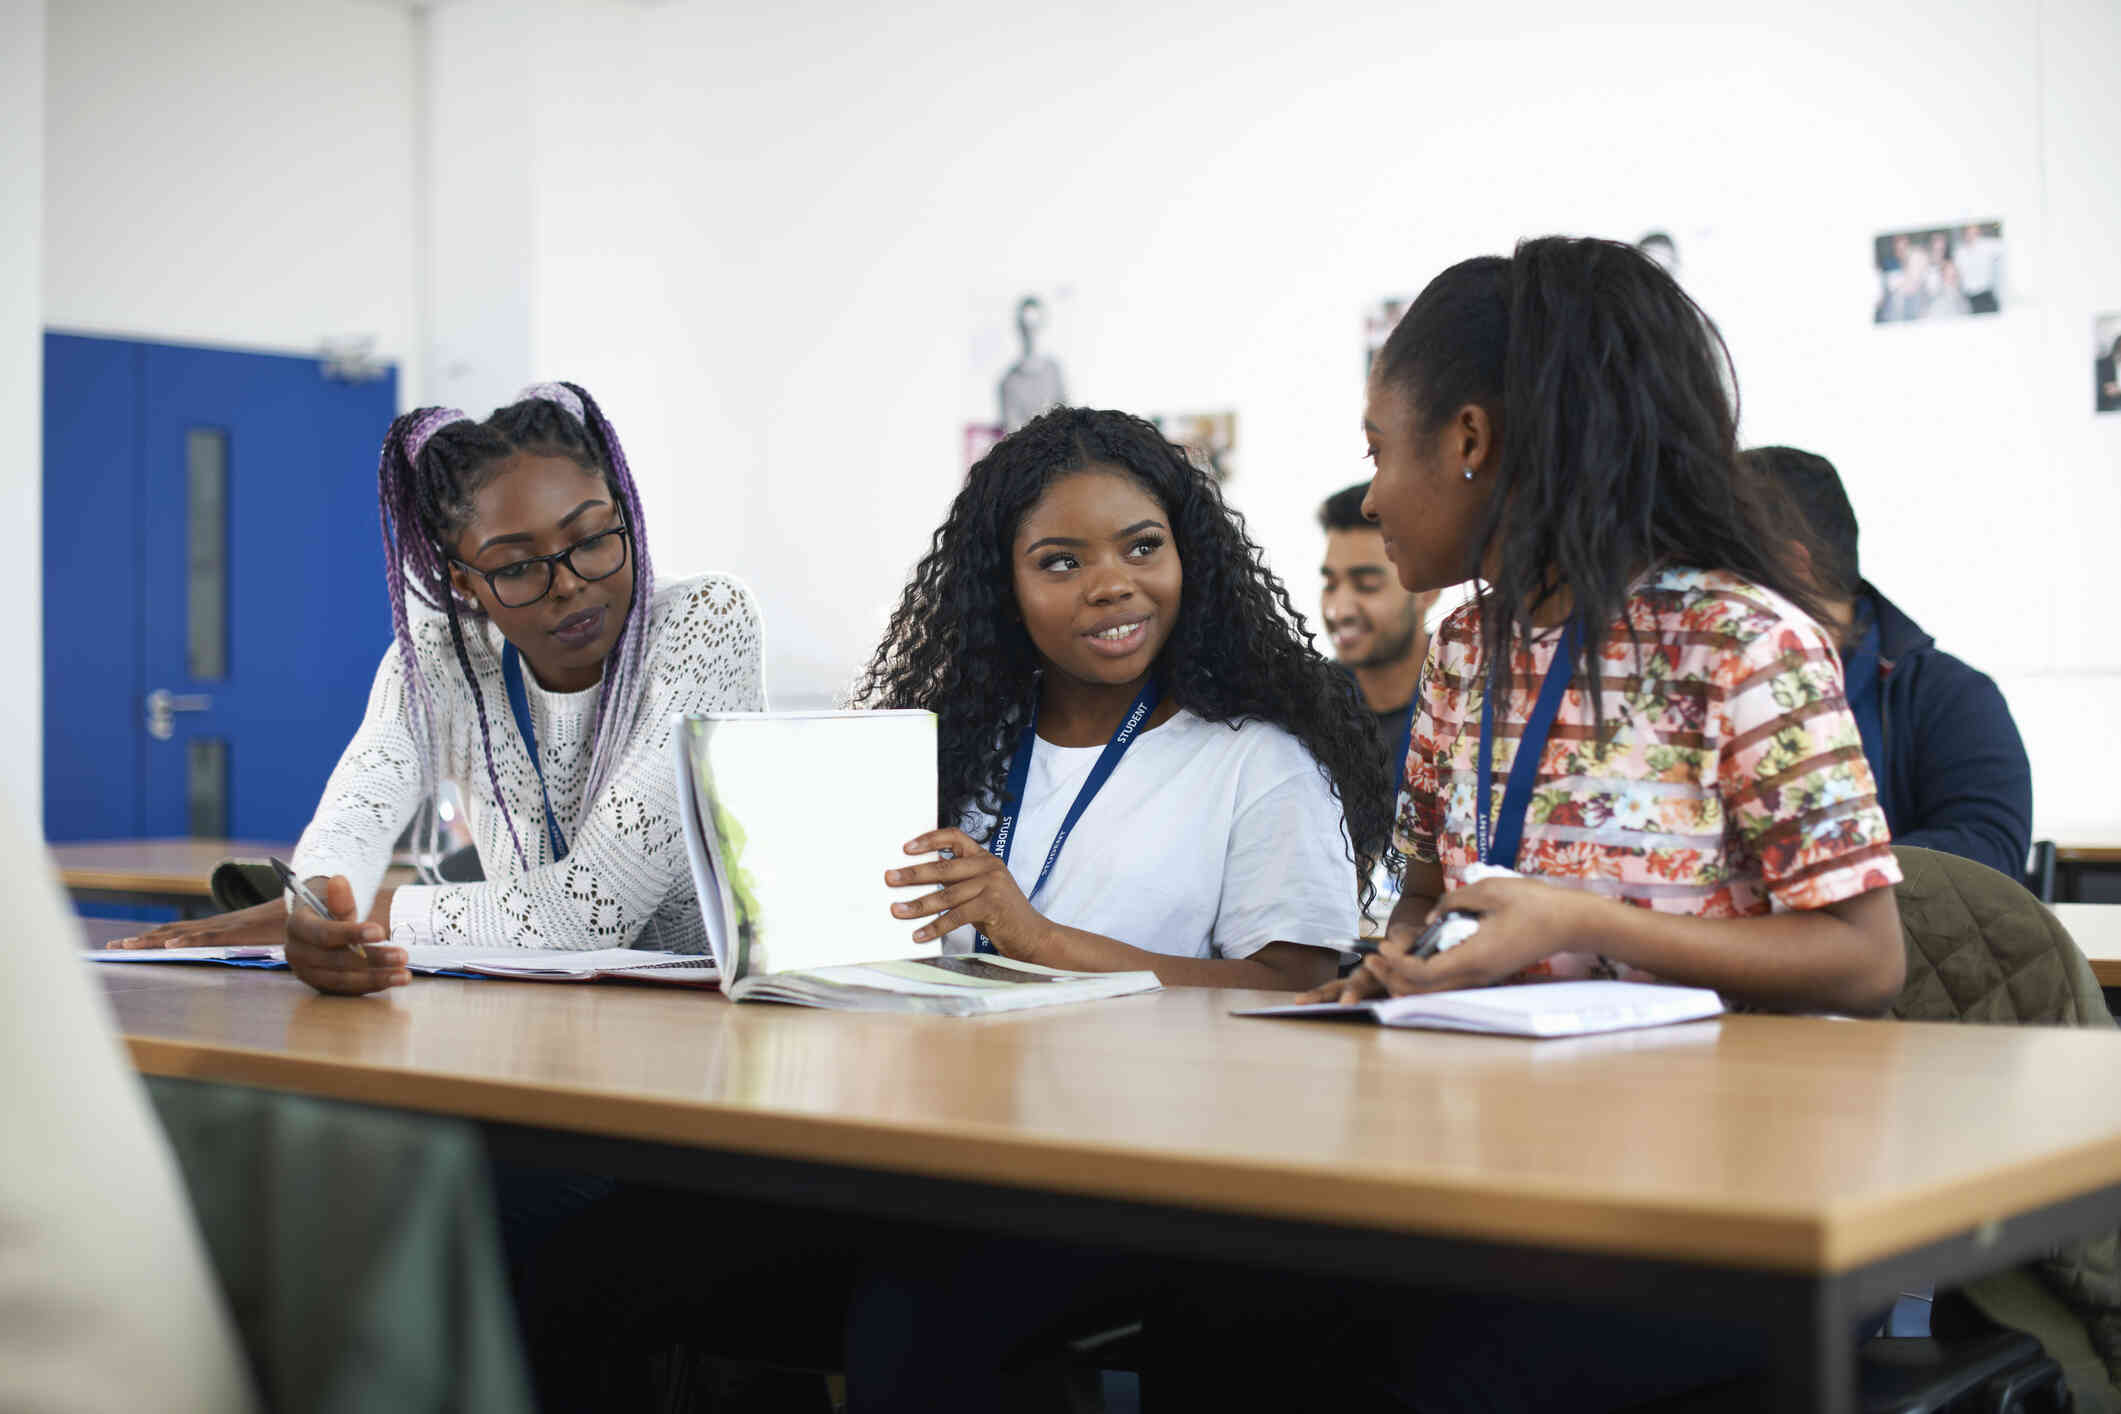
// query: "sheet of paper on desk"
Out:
[233,957]
[529,964]
[1536,1009]
[544,965]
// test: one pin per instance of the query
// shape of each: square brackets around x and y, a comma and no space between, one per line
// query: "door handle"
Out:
[163,705]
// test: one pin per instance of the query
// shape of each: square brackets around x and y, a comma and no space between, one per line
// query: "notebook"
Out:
[1537,1009]
[523,964]
[790,820]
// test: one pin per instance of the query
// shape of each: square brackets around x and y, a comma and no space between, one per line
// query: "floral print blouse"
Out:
[1729,779]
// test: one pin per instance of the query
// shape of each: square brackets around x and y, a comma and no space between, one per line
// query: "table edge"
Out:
[1639,1225]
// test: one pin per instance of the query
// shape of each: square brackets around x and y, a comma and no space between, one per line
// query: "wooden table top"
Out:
[171,866]
[2096,927]
[1775,1143]
[2088,853]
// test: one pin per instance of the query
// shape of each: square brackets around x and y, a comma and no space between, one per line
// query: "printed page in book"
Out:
[543,965]
[947,986]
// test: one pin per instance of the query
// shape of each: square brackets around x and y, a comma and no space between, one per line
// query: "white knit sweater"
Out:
[625,881]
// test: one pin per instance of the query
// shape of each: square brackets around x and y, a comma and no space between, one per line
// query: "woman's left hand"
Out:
[1522,921]
[977,889]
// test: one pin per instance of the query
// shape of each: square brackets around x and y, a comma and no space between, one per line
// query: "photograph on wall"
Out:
[2106,363]
[1019,366]
[1940,272]
[1210,439]
[1378,321]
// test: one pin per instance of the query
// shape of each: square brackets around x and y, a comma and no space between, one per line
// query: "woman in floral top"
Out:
[1728,780]
[1557,425]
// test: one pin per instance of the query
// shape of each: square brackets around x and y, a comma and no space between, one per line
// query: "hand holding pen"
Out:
[330,948]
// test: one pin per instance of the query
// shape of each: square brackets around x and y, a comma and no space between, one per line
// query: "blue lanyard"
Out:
[1020,778]
[1406,744]
[519,703]
[1500,848]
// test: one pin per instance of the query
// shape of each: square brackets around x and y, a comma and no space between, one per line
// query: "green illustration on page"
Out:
[729,841]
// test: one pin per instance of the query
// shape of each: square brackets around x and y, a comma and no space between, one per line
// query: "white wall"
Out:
[756,237]
[22,399]
[234,172]
[479,144]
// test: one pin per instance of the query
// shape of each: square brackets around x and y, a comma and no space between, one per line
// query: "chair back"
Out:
[1981,948]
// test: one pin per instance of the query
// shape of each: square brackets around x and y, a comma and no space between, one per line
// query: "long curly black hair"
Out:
[1240,650]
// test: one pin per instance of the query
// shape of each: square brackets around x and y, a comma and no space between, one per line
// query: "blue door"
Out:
[213,602]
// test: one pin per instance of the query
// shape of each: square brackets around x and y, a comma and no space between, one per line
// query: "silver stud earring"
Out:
[1469,473]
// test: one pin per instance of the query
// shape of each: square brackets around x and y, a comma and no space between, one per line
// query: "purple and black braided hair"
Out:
[434,461]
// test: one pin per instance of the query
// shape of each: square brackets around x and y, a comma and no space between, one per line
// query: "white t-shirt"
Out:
[1207,841]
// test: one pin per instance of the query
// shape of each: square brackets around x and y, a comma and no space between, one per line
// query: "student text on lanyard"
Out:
[519,703]
[1499,845]
[1020,777]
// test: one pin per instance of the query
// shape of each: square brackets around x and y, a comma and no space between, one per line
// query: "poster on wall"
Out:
[1378,321]
[1940,272]
[1020,365]
[2106,363]
[1210,439]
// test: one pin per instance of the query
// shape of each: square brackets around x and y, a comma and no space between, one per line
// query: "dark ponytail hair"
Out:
[957,646]
[435,462]
[1615,401]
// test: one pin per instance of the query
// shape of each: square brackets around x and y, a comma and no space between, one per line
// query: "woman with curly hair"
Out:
[1116,671]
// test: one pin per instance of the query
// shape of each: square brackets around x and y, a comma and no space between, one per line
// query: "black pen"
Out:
[1437,937]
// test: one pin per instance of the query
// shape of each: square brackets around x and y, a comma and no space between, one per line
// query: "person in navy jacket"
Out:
[1950,765]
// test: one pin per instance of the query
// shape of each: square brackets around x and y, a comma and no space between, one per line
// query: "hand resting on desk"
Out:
[319,951]
[260,926]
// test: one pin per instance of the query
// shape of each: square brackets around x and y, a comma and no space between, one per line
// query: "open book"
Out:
[790,820]
[1530,1009]
[524,964]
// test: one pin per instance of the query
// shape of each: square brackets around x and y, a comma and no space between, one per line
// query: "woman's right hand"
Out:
[321,950]
[260,926]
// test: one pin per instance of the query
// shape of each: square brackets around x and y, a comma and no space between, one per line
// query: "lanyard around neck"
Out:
[1499,847]
[519,703]
[1020,777]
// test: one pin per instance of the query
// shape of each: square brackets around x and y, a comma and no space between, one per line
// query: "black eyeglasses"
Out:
[522,583]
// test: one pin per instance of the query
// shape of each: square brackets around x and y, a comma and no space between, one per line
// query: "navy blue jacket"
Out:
[1950,765]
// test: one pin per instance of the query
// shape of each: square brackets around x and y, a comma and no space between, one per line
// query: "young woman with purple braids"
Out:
[537,666]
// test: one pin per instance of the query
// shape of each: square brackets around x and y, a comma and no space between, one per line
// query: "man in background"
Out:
[1951,768]
[1379,630]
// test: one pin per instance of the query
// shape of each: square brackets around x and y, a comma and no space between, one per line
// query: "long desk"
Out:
[167,873]
[2073,861]
[1793,1172]
[2096,929]
[171,873]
